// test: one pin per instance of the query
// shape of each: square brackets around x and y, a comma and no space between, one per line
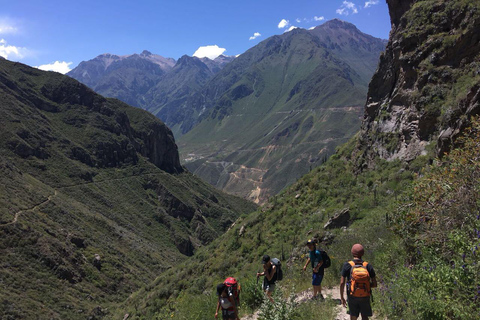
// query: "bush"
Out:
[281,309]
[252,295]
[439,222]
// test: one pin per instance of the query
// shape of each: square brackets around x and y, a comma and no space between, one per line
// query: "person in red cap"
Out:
[359,276]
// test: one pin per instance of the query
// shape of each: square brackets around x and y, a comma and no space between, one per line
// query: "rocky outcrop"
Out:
[426,86]
[340,219]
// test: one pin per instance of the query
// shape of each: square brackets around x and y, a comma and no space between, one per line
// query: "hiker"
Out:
[227,303]
[360,279]
[318,271]
[270,276]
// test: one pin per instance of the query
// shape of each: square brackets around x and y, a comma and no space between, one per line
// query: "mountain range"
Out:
[159,85]
[254,124]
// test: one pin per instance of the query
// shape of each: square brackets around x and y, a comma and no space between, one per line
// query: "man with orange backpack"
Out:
[360,278]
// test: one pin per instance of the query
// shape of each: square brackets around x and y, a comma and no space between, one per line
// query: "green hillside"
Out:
[93,200]
[281,108]
[412,199]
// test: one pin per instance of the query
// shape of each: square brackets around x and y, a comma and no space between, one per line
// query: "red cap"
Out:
[358,251]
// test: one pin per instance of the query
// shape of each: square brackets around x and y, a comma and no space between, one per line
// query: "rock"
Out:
[327,238]
[97,262]
[298,196]
[79,242]
[403,114]
[185,246]
[98,313]
[340,219]
[241,231]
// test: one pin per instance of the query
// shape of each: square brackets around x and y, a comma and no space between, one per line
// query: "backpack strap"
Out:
[351,263]
[365,264]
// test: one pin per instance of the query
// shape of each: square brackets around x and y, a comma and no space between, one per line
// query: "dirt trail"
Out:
[17,215]
[305,296]
[15,219]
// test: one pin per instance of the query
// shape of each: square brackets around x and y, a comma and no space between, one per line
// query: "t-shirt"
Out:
[347,268]
[226,303]
[316,258]
[274,278]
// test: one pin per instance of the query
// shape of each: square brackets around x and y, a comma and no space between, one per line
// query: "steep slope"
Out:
[170,100]
[281,108]
[160,85]
[428,82]
[126,78]
[428,268]
[93,200]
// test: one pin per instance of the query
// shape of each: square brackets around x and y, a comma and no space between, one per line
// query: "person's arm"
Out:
[373,276]
[218,308]
[306,264]
[342,290]
[269,275]
[234,306]
[319,264]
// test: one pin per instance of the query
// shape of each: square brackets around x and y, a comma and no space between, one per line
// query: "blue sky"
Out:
[69,31]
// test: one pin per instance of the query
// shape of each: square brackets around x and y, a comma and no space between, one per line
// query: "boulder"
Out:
[340,219]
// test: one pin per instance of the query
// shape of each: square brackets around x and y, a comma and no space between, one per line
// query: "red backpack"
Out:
[233,289]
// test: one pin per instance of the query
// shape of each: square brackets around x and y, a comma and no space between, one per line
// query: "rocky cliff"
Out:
[427,84]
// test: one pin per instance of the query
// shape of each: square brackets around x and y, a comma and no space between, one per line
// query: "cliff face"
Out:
[427,84]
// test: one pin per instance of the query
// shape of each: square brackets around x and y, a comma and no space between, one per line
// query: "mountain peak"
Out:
[146,53]
[337,24]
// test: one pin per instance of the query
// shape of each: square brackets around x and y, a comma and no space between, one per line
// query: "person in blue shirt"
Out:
[315,258]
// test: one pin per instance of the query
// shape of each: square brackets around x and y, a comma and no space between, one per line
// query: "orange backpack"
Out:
[359,280]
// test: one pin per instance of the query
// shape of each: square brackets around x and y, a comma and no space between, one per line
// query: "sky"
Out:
[58,35]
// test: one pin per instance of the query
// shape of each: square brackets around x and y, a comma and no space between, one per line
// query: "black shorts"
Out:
[360,306]
[228,314]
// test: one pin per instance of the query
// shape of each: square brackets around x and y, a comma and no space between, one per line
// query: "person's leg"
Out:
[316,290]
[316,282]
[366,309]
[354,307]
[269,295]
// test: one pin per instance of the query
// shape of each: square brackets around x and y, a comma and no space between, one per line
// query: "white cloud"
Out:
[11,52]
[210,52]
[290,29]
[347,8]
[298,20]
[255,36]
[283,24]
[319,18]
[57,66]
[7,26]
[4,29]
[370,3]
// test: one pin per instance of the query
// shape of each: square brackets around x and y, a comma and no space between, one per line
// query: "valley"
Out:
[326,133]
[271,114]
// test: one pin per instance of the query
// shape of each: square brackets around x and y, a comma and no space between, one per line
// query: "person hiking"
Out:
[270,276]
[227,303]
[359,276]
[318,271]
